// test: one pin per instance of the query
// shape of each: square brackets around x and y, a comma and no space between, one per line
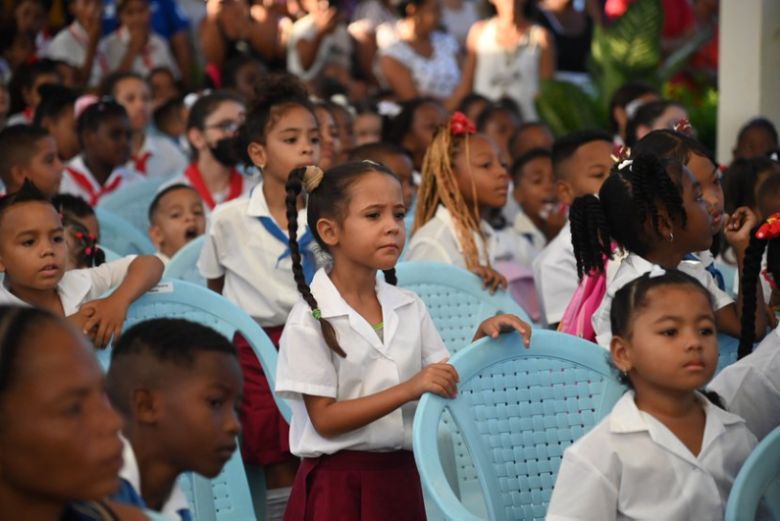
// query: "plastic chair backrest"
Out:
[759,478]
[455,299]
[132,202]
[516,411]
[183,265]
[120,236]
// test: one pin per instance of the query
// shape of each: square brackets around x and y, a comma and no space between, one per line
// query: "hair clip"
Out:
[620,153]
[312,178]
[769,229]
[626,163]
[656,271]
[316,313]
[461,125]
[683,126]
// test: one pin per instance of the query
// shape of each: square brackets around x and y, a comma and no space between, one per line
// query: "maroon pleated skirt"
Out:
[266,436]
[357,486]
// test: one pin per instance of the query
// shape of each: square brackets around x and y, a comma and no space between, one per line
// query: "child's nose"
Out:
[233,426]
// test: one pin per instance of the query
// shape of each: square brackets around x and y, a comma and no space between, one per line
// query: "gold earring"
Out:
[671,236]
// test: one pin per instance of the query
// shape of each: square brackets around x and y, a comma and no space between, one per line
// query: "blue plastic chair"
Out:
[727,346]
[132,202]
[455,299]
[183,265]
[759,478]
[516,412]
[120,236]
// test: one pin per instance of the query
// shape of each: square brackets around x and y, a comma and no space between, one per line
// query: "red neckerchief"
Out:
[196,179]
[141,162]
[86,185]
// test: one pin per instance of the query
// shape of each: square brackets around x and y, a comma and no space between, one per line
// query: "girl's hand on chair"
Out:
[107,317]
[738,227]
[506,323]
[440,378]
[491,279]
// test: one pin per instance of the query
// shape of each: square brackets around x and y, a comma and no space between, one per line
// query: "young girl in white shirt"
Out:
[665,451]
[358,352]
[246,257]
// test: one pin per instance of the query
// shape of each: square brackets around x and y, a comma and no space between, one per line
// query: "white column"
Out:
[749,67]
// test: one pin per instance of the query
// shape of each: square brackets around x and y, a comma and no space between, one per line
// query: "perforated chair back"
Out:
[183,265]
[455,299]
[759,478]
[132,202]
[516,412]
[120,236]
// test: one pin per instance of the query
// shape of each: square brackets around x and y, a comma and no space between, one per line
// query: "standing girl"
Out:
[246,258]
[665,451]
[104,135]
[357,353]
[212,127]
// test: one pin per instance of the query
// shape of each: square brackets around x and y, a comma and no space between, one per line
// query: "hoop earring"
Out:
[671,237]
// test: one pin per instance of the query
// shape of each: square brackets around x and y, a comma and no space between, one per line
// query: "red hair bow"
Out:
[620,153]
[683,126]
[770,229]
[460,124]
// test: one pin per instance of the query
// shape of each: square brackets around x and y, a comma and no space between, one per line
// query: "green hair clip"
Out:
[316,313]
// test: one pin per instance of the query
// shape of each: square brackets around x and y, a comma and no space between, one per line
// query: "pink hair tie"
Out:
[83,102]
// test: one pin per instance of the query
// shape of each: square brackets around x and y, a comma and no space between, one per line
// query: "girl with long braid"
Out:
[357,352]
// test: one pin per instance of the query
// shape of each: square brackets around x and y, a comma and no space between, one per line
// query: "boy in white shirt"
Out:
[176,217]
[78,44]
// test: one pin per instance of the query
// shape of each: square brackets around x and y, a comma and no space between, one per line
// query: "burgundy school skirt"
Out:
[266,436]
[357,486]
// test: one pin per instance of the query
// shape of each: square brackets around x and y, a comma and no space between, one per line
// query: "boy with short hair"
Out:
[581,163]
[178,385]
[57,115]
[29,153]
[176,217]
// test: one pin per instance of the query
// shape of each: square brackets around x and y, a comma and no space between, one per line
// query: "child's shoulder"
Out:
[234,209]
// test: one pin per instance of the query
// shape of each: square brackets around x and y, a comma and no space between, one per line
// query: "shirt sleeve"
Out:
[209,264]
[305,364]
[697,270]
[433,347]
[582,492]
[108,275]
[424,249]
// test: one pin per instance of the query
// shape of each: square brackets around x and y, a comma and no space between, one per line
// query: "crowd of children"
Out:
[391,141]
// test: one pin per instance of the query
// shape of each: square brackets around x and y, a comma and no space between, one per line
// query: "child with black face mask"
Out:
[211,132]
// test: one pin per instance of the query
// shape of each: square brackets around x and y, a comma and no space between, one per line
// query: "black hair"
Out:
[232,66]
[624,95]
[328,199]
[55,100]
[646,116]
[18,144]
[109,83]
[154,205]
[17,324]
[628,198]
[516,170]
[471,99]
[741,181]
[395,128]
[94,115]
[375,151]
[760,123]
[566,146]
[72,208]
[503,105]
[161,69]
[769,188]
[167,112]
[751,268]
[168,341]
[25,78]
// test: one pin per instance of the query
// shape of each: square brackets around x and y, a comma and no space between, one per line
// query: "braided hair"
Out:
[751,270]
[328,197]
[633,193]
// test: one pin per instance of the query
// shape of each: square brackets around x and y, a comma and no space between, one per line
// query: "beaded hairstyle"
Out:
[439,186]
[328,192]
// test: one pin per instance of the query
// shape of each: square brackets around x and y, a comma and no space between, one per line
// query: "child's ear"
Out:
[145,406]
[565,193]
[328,231]
[665,225]
[195,137]
[257,154]
[156,235]
[16,178]
[618,346]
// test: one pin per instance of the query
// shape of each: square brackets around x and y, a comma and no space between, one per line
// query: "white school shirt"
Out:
[156,53]
[631,466]
[238,247]
[437,241]
[631,268]
[78,287]
[750,387]
[78,180]
[525,228]
[555,275]
[306,365]
[158,157]
[335,48]
[130,472]
[70,46]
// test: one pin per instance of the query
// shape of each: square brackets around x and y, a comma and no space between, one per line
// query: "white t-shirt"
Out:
[78,180]
[70,46]
[238,247]
[631,466]
[555,275]
[751,387]
[633,267]
[158,157]
[78,287]
[335,47]
[307,365]
[155,54]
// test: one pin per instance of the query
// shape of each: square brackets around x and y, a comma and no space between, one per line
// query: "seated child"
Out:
[581,162]
[654,115]
[60,445]
[24,89]
[163,86]
[330,141]
[743,178]
[500,121]
[367,125]
[29,153]
[170,121]
[176,217]
[82,232]
[78,43]
[757,138]
[104,134]
[33,256]
[624,103]
[665,451]
[529,136]
[397,160]
[178,386]
[541,216]
[413,127]
[57,115]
